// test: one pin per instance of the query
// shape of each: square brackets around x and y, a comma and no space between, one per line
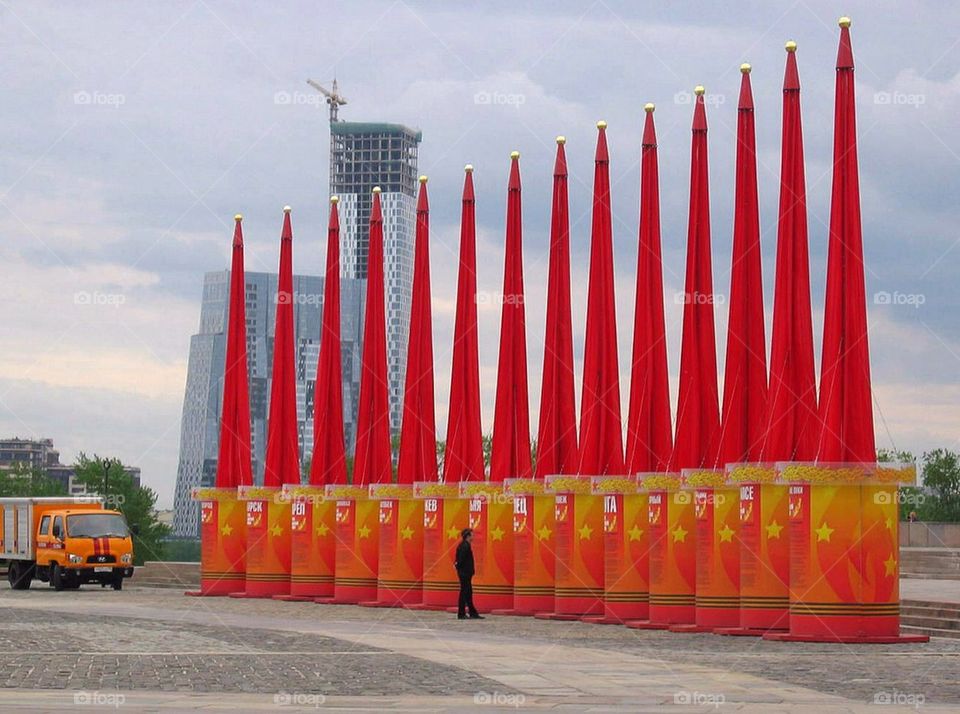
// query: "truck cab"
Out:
[70,542]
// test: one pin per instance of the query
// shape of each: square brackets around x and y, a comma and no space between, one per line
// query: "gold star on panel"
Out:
[679,535]
[227,529]
[544,533]
[635,533]
[773,530]
[726,534]
[364,531]
[497,533]
[452,533]
[277,530]
[407,533]
[890,564]
[586,532]
[824,532]
[322,529]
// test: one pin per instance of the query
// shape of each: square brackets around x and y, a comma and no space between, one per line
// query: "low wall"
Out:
[929,535]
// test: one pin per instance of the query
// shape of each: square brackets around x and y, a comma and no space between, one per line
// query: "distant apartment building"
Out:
[40,455]
[203,397]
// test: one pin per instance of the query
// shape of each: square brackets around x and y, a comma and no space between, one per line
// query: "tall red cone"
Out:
[791,431]
[463,457]
[282,458]
[846,407]
[745,374]
[329,463]
[233,458]
[418,432]
[601,433]
[510,451]
[649,430]
[698,408]
[371,463]
[557,433]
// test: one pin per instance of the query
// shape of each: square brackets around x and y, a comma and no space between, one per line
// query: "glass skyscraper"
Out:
[203,397]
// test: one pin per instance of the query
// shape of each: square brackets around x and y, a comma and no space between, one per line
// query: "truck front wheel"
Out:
[57,577]
[20,575]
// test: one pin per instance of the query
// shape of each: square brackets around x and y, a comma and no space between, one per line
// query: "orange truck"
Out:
[64,541]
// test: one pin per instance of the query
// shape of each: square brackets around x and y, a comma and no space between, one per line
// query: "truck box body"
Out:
[20,518]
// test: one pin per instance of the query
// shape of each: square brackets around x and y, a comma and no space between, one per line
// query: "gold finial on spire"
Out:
[844,21]
[514,154]
[287,209]
[561,140]
[423,178]
[601,124]
[745,68]
[791,46]
[699,90]
[468,168]
[334,199]
[649,107]
[377,189]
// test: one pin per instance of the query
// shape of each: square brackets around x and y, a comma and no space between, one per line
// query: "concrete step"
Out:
[929,631]
[916,621]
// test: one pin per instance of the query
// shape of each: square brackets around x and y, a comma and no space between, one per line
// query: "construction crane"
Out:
[334,98]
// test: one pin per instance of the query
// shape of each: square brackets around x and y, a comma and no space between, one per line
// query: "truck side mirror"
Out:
[57,533]
[135,529]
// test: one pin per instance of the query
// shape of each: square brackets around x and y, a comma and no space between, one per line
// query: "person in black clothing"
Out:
[464,566]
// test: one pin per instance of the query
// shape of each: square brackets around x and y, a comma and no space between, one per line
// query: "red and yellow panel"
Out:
[268,542]
[533,549]
[445,515]
[400,571]
[491,518]
[313,543]
[223,541]
[357,522]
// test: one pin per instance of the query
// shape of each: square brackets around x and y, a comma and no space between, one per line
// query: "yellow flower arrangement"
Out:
[752,473]
[344,491]
[662,482]
[524,487]
[569,484]
[706,478]
[390,490]
[214,494]
[439,490]
[614,484]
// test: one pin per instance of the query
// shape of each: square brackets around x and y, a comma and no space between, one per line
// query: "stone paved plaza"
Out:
[155,650]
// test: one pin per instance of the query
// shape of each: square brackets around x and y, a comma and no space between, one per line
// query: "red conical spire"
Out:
[329,456]
[418,435]
[282,459]
[233,457]
[371,463]
[745,375]
[846,407]
[463,457]
[557,433]
[649,430]
[601,435]
[792,394]
[510,451]
[698,409]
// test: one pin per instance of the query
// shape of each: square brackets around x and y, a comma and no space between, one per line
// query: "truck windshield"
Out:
[97,525]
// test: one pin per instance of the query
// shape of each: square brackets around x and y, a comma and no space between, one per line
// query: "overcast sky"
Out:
[132,132]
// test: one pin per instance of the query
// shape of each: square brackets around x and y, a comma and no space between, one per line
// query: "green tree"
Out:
[486,443]
[106,477]
[941,486]
[23,481]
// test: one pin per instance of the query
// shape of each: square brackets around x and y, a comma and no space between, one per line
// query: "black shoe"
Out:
[461,617]
[477,616]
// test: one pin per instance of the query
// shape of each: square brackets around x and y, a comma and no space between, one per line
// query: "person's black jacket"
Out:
[464,560]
